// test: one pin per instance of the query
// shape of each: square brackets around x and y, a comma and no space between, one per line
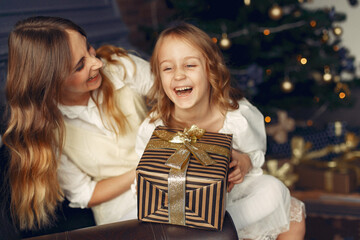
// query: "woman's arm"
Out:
[137,76]
[82,191]
[112,187]
[77,186]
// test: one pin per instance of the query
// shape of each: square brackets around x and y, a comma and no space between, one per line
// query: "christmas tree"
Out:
[283,55]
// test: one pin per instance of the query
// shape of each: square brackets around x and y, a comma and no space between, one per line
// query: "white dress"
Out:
[260,205]
[92,152]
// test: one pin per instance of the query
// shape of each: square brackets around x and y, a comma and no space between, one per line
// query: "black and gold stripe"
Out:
[205,185]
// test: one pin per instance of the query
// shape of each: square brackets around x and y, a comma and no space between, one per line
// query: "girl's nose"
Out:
[179,74]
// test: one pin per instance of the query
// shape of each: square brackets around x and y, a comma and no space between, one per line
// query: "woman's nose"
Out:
[96,63]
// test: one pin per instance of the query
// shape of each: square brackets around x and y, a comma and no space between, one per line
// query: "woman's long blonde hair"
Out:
[221,92]
[39,62]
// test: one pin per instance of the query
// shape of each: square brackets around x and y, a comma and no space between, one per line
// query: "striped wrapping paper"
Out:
[205,196]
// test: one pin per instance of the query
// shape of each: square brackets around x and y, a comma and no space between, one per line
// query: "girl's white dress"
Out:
[261,206]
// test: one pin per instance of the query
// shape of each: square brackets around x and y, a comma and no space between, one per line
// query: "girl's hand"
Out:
[239,166]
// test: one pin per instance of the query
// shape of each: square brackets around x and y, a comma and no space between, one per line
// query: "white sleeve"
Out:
[78,187]
[249,136]
[138,76]
[143,80]
[144,134]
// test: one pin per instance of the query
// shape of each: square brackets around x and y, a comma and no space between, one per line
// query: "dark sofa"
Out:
[133,230]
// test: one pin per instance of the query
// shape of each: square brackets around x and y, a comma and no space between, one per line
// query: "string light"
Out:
[313,23]
[342,95]
[342,89]
[279,28]
[266,32]
[267,119]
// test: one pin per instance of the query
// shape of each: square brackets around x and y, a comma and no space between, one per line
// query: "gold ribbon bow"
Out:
[185,144]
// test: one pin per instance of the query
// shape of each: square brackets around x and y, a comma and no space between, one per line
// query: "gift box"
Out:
[327,176]
[182,178]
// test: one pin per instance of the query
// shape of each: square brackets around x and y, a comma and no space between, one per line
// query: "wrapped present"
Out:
[327,176]
[182,178]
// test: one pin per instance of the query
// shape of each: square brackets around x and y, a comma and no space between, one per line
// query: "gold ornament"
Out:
[247,2]
[325,36]
[287,86]
[225,42]
[297,14]
[275,12]
[337,30]
[303,60]
[327,75]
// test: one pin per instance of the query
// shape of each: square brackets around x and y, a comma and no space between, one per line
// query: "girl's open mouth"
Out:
[182,91]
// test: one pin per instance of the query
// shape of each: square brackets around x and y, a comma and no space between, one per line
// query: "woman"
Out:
[74,115]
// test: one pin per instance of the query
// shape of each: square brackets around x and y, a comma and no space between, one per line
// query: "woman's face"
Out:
[85,75]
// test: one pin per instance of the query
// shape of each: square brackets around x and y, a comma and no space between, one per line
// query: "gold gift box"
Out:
[204,186]
[339,179]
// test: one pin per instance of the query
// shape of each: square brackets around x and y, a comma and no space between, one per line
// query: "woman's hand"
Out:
[239,166]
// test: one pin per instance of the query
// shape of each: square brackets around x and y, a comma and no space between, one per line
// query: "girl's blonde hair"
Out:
[39,62]
[221,93]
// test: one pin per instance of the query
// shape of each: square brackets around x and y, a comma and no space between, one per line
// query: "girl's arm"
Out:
[249,136]
[239,166]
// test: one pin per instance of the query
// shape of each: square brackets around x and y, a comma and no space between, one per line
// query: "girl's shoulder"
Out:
[241,119]
[245,110]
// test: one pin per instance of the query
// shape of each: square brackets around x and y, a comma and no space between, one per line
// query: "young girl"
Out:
[192,86]
[74,119]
